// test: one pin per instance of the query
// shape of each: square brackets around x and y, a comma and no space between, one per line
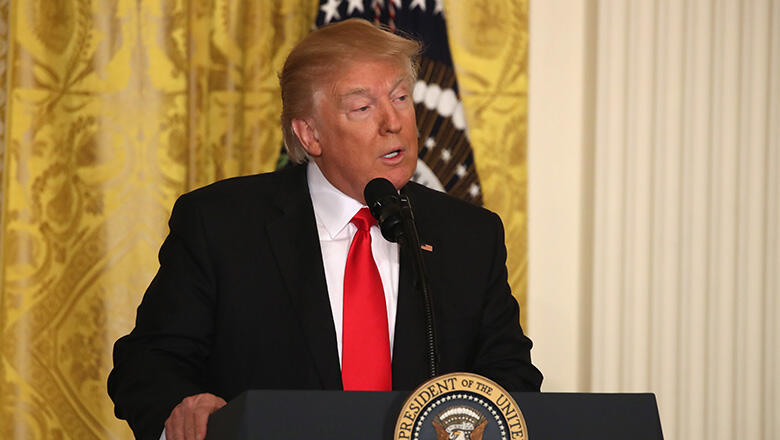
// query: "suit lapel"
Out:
[295,242]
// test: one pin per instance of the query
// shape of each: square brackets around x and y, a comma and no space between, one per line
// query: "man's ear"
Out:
[308,136]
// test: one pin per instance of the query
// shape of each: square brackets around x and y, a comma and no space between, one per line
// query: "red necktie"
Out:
[365,358]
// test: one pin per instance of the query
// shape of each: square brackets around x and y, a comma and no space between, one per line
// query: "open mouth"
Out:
[392,154]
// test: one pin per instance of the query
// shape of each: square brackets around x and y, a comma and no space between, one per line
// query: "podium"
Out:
[361,415]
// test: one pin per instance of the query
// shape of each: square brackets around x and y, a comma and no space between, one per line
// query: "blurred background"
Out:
[632,149]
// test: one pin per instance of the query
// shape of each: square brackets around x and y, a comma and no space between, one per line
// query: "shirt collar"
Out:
[333,209]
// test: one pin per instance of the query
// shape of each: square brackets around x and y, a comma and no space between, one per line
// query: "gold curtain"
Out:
[489,44]
[112,108]
[115,107]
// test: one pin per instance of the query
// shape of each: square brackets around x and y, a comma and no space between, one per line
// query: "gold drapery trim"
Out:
[4,62]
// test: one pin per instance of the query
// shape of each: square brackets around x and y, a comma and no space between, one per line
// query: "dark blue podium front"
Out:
[294,415]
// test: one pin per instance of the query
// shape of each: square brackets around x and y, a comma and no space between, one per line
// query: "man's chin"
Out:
[400,179]
[399,175]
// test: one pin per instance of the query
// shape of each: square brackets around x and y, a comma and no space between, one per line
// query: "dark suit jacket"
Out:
[240,301]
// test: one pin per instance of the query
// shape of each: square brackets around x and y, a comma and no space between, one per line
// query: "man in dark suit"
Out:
[252,290]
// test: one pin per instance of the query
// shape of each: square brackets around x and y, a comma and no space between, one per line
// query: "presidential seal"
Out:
[460,406]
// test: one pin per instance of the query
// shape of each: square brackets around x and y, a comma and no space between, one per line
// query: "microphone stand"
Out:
[411,241]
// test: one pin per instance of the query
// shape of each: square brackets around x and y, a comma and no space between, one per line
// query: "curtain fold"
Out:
[114,109]
[489,45]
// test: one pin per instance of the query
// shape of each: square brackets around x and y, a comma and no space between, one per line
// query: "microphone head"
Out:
[385,205]
[378,189]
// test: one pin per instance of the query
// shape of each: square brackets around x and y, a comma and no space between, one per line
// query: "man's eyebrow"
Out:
[362,91]
[352,92]
[401,79]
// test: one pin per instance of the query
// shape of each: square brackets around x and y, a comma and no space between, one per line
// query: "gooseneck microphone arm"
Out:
[396,221]
[413,246]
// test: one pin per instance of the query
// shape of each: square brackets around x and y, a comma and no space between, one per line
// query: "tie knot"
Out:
[363,220]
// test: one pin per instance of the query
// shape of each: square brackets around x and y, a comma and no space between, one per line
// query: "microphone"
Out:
[384,203]
[396,221]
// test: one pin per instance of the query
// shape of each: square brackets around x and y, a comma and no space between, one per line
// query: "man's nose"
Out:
[391,119]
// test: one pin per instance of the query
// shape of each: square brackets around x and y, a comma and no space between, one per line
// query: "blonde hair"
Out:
[321,54]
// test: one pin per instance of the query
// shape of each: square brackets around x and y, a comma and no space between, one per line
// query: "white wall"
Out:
[654,206]
[560,133]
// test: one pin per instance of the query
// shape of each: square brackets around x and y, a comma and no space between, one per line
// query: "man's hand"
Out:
[189,419]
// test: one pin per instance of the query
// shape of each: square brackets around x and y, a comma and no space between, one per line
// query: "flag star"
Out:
[331,10]
[417,3]
[429,143]
[474,190]
[461,171]
[439,8]
[446,155]
[354,4]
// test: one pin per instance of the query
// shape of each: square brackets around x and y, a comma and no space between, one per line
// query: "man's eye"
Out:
[402,98]
[361,109]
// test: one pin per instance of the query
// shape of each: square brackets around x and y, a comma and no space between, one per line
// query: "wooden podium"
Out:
[344,415]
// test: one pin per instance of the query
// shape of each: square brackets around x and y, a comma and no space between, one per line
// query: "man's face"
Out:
[364,127]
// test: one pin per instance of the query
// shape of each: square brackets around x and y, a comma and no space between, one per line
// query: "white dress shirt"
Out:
[333,211]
